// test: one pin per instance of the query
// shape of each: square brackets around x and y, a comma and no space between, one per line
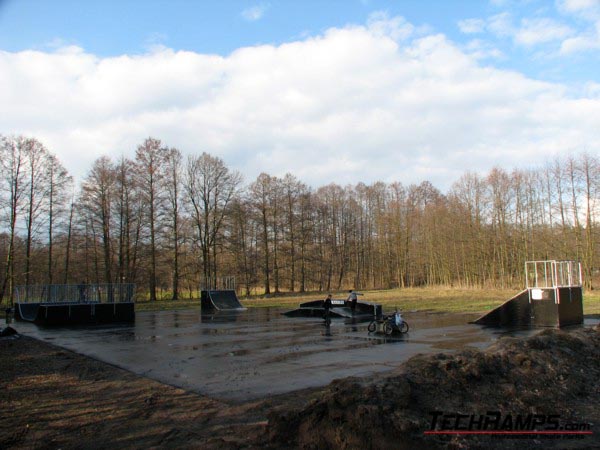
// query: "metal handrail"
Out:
[218,283]
[553,274]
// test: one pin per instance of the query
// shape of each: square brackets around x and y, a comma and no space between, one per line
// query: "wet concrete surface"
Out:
[243,355]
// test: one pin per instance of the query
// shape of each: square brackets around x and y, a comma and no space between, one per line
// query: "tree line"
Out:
[169,224]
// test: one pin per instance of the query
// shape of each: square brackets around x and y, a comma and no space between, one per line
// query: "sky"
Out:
[330,91]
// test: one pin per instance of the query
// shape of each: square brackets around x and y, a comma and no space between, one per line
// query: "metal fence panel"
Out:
[78,293]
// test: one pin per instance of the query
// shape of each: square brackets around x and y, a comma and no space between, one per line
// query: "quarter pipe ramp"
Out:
[220,300]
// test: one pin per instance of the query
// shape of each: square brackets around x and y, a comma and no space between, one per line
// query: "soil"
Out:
[53,398]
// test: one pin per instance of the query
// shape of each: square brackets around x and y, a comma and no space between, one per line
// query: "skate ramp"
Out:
[220,300]
[513,312]
[27,311]
[340,308]
[539,307]
[74,313]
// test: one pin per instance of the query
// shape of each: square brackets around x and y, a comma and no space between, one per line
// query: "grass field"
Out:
[410,299]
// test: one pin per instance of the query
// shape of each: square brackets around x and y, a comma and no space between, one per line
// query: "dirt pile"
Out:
[552,373]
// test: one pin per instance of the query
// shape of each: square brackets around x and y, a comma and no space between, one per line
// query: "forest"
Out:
[170,224]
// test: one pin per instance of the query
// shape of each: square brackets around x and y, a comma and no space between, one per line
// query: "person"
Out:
[327,307]
[397,319]
[352,299]
[82,291]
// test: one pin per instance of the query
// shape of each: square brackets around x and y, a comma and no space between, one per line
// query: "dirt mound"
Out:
[552,373]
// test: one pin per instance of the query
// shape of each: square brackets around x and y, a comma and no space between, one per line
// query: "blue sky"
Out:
[108,28]
[114,27]
[546,53]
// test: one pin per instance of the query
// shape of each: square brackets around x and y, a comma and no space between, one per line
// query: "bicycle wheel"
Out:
[404,327]
[372,326]
[388,328]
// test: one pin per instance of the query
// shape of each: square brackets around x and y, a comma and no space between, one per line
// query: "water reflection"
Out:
[221,316]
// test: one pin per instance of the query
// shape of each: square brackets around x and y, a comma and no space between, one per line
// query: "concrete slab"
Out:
[243,355]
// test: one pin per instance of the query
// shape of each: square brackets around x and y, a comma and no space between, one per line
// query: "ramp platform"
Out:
[220,300]
[339,309]
[74,313]
[75,304]
[553,298]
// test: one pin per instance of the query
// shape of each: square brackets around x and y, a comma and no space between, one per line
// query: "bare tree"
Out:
[260,192]
[35,160]
[97,198]
[210,186]
[59,183]
[590,171]
[12,160]
[173,188]
[128,210]
[150,159]
[69,239]
[292,189]
[242,236]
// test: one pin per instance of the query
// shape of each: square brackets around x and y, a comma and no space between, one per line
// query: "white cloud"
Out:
[396,27]
[541,30]
[255,12]
[532,32]
[479,49]
[581,43]
[361,103]
[471,26]
[501,25]
[592,90]
[588,37]
[587,8]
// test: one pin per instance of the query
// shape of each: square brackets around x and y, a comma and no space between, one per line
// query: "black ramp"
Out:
[513,312]
[225,300]
[340,308]
[342,312]
[570,309]
[27,311]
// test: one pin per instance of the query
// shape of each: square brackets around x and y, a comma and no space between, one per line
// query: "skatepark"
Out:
[228,374]
[241,355]
[224,350]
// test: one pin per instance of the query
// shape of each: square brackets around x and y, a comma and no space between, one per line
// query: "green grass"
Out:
[591,302]
[166,305]
[410,299]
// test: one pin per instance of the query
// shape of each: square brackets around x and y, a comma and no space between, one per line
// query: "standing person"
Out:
[82,287]
[327,308]
[352,299]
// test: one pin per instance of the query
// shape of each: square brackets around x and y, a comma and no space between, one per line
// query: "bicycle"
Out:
[389,324]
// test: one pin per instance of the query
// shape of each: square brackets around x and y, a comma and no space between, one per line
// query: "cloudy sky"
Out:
[331,91]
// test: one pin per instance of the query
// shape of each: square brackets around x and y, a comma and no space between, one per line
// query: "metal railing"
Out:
[553,274]
[75,293]
[218,283]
